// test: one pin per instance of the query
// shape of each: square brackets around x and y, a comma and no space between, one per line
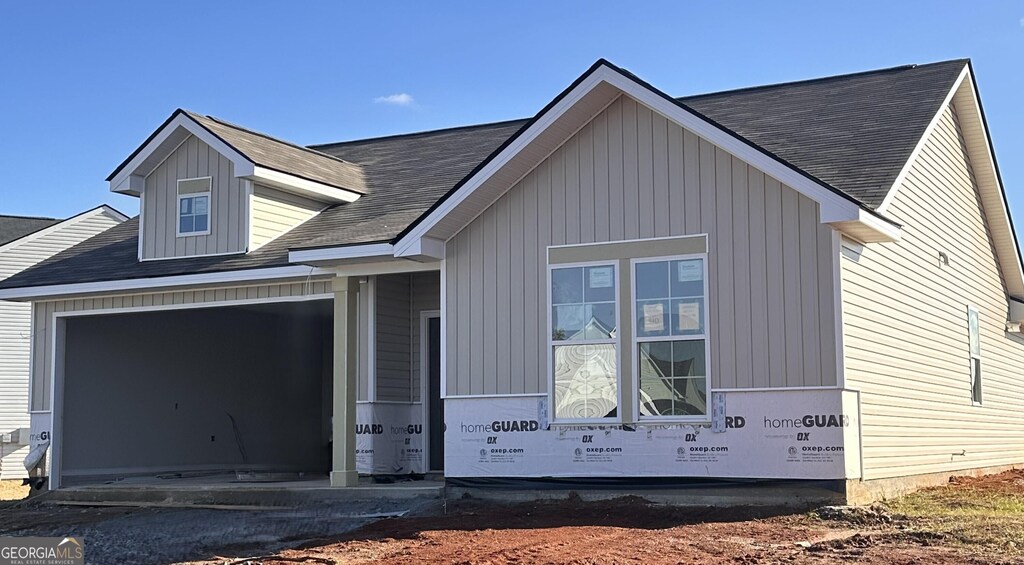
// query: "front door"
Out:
[435,404]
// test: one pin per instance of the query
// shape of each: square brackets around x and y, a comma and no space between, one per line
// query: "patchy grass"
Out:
[983,513]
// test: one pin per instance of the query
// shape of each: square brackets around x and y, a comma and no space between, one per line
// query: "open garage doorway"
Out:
[192,391]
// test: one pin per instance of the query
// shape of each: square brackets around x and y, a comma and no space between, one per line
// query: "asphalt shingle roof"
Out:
[851,132]
[17,227]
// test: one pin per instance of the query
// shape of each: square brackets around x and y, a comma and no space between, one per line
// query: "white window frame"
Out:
[209,208]
[552,343]
[637,340]
[975,359]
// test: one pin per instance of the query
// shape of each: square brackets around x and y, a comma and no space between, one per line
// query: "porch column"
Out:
[346,346]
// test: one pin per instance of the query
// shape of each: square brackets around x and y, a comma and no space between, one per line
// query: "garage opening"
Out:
[186,392]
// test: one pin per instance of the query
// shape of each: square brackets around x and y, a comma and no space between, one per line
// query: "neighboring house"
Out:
[816,280]
[24,242]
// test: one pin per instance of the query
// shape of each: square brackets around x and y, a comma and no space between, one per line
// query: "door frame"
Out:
[425,317]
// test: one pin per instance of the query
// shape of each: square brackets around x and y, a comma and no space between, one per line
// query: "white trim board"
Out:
[130,178]
[130,285]
[55,328]
[835,208]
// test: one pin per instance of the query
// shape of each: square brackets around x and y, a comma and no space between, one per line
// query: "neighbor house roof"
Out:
[852,133]
[17,227]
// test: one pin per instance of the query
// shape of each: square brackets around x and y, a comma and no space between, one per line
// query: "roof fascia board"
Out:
[327,255]
[986,170]
[157,283]
[833,207]
[120,182]
[295,184]
[891,194]
[104,209]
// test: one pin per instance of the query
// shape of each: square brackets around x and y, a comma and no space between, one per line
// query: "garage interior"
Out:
[192,391]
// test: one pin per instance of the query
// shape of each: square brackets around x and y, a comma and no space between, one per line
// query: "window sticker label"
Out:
[654,317]
[689,316]
[689,271]
[601,277]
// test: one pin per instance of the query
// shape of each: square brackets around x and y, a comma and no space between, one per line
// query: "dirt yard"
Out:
[969,521]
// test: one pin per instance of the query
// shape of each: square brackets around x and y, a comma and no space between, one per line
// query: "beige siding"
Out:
[905,328]
[632,174]
[275,213]
[43,318]
[15,322]
[228,205]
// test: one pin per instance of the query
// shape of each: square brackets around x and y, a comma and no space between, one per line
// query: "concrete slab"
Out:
[786,496]
[213,490]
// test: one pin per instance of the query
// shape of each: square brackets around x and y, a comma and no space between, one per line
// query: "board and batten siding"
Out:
[43,316]
[228,204]
[905,327]
[630,173]
[16,326]
[274,213]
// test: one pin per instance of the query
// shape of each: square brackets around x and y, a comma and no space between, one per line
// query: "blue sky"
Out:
[84,83]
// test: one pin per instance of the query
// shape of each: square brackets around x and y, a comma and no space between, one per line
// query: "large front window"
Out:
[583,341]
[669,338]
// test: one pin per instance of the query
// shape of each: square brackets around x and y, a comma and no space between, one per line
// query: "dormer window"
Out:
[194,206]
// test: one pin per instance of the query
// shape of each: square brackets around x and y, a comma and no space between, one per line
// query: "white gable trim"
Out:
[131,178]
[124,182]
[922,142]
[835,208]
[100,210]
[963,95]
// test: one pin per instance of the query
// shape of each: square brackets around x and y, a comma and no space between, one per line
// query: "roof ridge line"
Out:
[416,133]
[272,138]
[46,218]
[822,79]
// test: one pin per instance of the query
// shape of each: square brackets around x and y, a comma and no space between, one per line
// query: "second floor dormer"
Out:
[207,187]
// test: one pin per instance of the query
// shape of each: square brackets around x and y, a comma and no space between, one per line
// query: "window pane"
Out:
[688,316]
[186,205]
[672,380]
[567,286]
[567,322]
[972,327]
[600,321]
[652,280]
[186,224]
[688,277]
[201,222]
[201,204]
[585,381]
[600,284]
[976,380]
[652,318]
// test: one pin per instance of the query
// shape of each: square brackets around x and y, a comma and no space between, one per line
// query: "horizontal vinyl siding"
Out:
[15,324]
[42,312]
[629,174]
[228,206]
[905,328]
[275,212]
[394,335]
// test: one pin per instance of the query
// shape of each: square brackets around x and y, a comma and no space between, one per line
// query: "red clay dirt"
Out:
[629,530]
